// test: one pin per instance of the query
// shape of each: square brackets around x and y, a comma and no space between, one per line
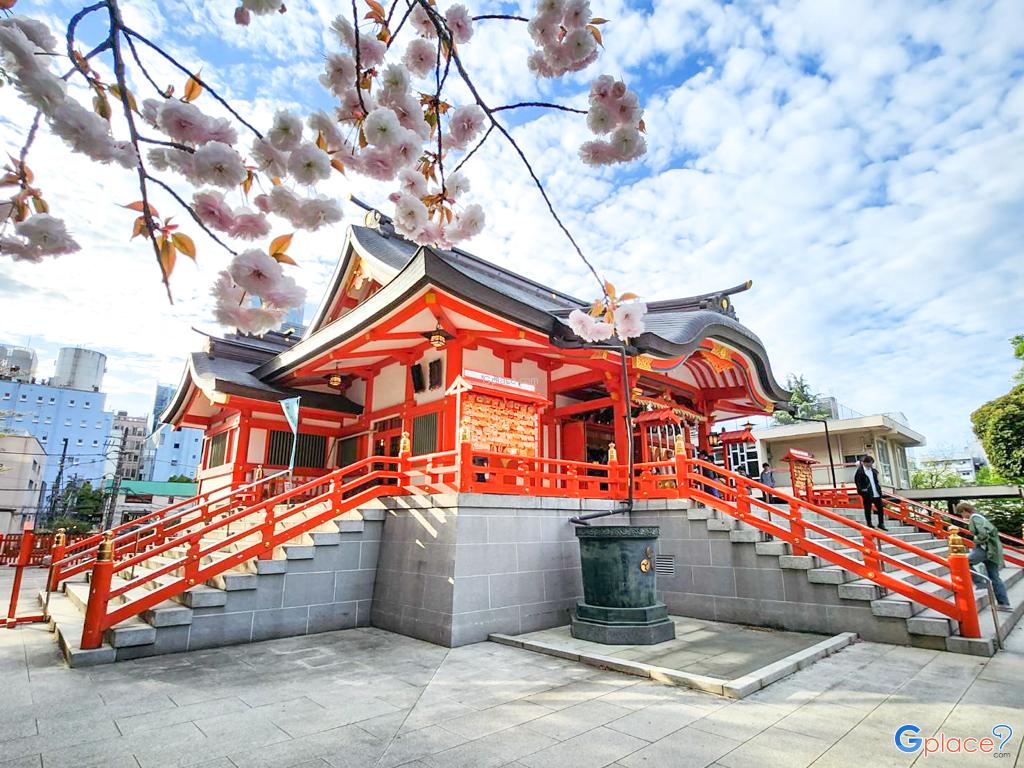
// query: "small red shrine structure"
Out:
[442,344]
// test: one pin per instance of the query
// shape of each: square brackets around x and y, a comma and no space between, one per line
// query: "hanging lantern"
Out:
[438,337]
[334,380]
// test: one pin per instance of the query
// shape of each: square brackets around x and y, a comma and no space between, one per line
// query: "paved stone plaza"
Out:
[366,697]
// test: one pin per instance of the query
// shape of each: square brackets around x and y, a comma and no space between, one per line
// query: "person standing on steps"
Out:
[870,490]
[767,478]
[988,550]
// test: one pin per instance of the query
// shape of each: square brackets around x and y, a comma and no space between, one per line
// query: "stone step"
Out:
[836,574]
[866,589]
[131,632]
[903,607]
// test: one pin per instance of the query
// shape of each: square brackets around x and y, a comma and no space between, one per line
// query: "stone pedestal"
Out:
[619,605]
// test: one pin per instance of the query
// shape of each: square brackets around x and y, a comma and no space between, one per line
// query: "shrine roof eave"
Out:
[427,268]
[677,335]
[221,376]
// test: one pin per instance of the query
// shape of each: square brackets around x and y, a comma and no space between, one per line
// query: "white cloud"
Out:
[859,161]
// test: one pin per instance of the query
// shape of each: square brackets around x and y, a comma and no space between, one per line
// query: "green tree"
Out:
[934,477]
[70,525]
[1018,352]
[806,401]
[999,425]
[180,479]
[988,476]
[1006,514]
[89,504]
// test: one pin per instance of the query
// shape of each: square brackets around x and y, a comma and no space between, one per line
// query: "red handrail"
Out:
[343,495]
[932,520]
[961,607]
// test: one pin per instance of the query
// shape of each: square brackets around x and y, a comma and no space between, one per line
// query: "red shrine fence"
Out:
[195,538]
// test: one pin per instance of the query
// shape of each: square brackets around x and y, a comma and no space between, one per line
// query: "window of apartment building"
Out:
[7,396]
[99,425]
[86,404]
[53,400]
[22,398]
[83,423]
[31,485]
[95,443]
[885,463]
[177,445]
[44,438]
[35,418]
[48,420]
[18,417]
[71,403]
[67,422]
[78,441]
[39,399]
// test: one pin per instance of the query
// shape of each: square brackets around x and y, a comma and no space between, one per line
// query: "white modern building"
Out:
[966,467]
[22,460]
[136,498]
[886,437]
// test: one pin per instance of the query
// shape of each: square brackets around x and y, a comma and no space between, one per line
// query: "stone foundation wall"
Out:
[723,580]
[455,568]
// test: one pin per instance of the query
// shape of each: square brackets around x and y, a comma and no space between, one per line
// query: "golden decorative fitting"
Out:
[613,456]
[60,538]
[643,362]
[405,445]
[680,446]
[956,542]
[464,433]
[106,548]
[645,565]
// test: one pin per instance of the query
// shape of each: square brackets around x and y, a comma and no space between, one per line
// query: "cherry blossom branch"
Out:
[499,16]
[445,34]
[544,104]
[206,86]
[472,152]
[191,212]
[142,68]
[401,22]
[359,66]
[116,27]
[164,143]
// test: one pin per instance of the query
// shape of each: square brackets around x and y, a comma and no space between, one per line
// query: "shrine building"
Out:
[429,342]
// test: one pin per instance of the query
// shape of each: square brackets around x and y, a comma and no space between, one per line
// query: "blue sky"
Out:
[860,161]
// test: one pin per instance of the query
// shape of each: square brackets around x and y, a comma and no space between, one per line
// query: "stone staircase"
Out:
[320,581]
[890,617]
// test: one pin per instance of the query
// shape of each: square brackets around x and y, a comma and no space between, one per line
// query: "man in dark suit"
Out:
[870,489]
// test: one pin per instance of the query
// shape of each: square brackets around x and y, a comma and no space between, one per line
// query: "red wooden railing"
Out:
[923,517]
[42,546]
[194,556]
[200,543]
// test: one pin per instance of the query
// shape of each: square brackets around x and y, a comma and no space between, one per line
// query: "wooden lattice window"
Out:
[218,449]
[311,451]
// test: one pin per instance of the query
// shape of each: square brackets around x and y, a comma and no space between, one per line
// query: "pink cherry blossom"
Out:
[213,211]
[285,294]
[588,328]
[460,22]
[466,123]
[255,271]
[422,23]
[576,14]
[249,225]
[629,319]
[420,57]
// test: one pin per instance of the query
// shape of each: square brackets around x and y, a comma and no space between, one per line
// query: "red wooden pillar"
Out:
[99,594]
[450,416]
[241,448]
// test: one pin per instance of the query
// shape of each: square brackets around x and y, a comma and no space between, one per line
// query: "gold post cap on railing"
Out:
[405,445]
[613,455]
[106,548]
[60,538]
[680,445]
[956,542]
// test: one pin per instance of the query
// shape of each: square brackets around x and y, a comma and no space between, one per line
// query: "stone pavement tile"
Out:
[15,724]
[643,694]
[28,761]
[581,690]
[384,726]
[875,750]
[686,748]
[574,720]
[1005,666]
[741,720]
[164,717]
[477,724]
[822,719]
[658,720]
[494,750]
[348,743]
[593,749]
[296,720]
[434,709]
[418,744]
[169,743]
[776,748]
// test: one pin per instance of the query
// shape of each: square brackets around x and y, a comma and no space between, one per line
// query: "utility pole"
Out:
[115,486]
[56,491]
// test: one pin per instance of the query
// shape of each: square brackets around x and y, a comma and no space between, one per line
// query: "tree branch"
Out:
[472,152]
[441,27]
[359,66]
[505,16]
[191,212]
[206,86]
[145,72]
[544,104]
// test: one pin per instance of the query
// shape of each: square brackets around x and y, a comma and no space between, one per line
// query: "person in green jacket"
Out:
[988,550]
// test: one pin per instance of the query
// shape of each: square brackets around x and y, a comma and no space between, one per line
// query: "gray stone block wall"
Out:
[328,591]
[454,568]
[722,580]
